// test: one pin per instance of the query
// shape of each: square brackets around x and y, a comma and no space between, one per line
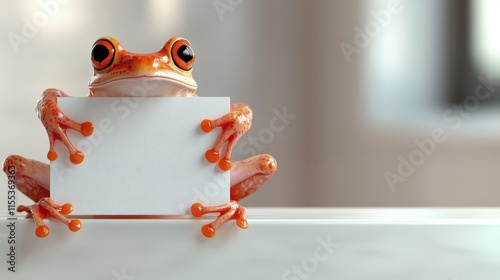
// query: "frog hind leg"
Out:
[247,176]
[32,178]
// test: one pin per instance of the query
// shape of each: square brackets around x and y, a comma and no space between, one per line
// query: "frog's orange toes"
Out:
[47,207]
[227,211]
[76,157]
[225,164]
[212,155]
[234,125]
[206,125]
[86,129]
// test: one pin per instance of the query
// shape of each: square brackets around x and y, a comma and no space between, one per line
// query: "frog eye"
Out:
[102,54]
[183,54]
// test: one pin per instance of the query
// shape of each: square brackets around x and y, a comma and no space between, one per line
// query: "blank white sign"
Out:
[145,157]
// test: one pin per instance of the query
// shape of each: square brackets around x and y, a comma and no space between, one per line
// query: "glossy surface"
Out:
[120,73]
[321,243]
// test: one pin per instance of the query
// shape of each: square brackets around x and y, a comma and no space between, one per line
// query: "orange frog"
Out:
[116,73]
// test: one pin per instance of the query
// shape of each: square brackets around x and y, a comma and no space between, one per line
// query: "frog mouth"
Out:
[147,82]
[142,86]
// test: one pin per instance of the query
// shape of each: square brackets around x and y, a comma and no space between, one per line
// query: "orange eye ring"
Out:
[183,54]
[103,53]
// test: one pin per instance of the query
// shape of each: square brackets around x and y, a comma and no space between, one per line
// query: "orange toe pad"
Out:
[208,231]
[197,210]
[212,156]
[76,158]
[42,231]
[242,223]
[75,225]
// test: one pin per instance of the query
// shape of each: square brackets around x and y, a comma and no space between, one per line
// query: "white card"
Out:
[145,157]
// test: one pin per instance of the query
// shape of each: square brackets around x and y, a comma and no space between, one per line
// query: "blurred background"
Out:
[363,103]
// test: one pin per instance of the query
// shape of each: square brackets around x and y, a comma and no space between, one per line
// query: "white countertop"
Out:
[281,243]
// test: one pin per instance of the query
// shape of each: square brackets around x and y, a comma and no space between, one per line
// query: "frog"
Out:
[116,72]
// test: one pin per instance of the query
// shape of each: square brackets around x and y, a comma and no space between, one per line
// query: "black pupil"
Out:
[185,53]
[99,53]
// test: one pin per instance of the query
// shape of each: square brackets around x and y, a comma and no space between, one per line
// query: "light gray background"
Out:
[352,120]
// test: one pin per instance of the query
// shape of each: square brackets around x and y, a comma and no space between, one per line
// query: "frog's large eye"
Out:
[102,55]
[183,54]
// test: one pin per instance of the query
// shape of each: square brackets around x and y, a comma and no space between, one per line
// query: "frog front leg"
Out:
[57,123]
[246,176]
[31,177]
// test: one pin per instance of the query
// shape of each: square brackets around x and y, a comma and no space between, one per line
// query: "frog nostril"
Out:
[99,53]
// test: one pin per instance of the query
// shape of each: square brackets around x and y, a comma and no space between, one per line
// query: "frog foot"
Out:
[76,156]
[46,207]
[233,125]
[57,123]
[227,211]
